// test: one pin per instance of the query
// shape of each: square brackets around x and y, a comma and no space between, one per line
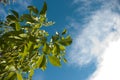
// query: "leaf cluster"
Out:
[24,46]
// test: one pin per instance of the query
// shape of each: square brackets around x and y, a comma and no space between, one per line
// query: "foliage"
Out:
[24,46]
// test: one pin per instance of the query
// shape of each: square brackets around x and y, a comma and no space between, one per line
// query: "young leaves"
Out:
[19,76]
[54,60]
[67,41]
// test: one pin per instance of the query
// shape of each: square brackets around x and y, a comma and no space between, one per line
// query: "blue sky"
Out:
[95,28]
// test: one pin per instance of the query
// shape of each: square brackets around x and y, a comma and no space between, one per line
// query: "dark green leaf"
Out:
[44,9]
[43,64]
[33,9]
[17,24]
[31,73]
[62,48]
[27,17]
[67,41]
[54,60]
[11,18]
[55,38]
[39,61]
[15,13]
[64,31]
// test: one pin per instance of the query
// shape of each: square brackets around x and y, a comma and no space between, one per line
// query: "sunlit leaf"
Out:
[56,49]
[46,48]
[62,48]
[31,73]
[54,60]
[19,76]
[17,24]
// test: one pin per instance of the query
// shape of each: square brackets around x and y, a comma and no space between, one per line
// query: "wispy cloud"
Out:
[102,27]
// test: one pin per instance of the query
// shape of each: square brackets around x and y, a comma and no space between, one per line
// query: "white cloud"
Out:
[103,27]
[99,39]
[109,68]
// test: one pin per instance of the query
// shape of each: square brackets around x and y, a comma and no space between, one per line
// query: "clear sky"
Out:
[95,28]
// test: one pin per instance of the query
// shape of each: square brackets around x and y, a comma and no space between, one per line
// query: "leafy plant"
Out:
[24,46]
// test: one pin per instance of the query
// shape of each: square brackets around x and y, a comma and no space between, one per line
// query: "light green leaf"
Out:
[31,73]
[56,49]
[19,76]
[29,44]
[62,48]
[17,26]
[46,48]
[23,35]
[54,60]
[43,67]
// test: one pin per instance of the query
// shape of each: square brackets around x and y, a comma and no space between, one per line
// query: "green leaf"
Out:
[19,76]
[23,35]
[56,49]
[43,67]
[33,9]
[39,61]
[62,48]
[46,48]
[67,41]
[54,60]
[44,9]
[64,32]
[31,73]
[17,26]
[15,13]
[11,18]
[55,38]
[65,60]
[11,76]
[43,64]
[27,17]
